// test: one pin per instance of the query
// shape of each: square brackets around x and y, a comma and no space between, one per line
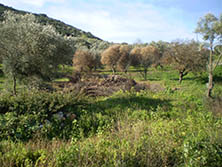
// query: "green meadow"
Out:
[172,126]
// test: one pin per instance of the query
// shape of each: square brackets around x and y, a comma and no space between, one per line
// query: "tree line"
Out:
[31,51]
[183,56]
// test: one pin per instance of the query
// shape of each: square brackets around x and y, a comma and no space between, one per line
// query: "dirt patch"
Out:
[105,85]
[155,87]
[102,85]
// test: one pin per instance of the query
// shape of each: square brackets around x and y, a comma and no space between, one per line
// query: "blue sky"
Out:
[125,20]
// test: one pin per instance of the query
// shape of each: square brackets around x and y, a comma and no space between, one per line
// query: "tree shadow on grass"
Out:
[200,79]
[120,104]
[107,112]
[184,79]
[153,79]
[204,79]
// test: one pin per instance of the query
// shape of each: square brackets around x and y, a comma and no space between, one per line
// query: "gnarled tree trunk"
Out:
[210,73]
[145,74]
[210,85]
[181,75]
[113,70]
[14,85]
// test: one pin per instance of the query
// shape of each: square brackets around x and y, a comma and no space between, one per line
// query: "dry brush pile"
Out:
[101,85]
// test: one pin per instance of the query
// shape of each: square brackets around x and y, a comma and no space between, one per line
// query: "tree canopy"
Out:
[210,27]
[29,49]
[145,57]
[117,56]
[84,60]
[186,56]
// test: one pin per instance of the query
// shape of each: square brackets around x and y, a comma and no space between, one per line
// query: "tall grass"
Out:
[167,128]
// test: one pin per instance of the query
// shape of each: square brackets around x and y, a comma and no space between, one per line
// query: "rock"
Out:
[71,116]
[59,116]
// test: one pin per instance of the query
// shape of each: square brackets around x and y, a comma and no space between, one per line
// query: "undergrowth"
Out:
[176,126]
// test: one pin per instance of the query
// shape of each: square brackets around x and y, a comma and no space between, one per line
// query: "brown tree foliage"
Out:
[145,57]
[117,56]
[125,59]
[162,47]
[110,57]
[135,55]
[186,57]
[84,61]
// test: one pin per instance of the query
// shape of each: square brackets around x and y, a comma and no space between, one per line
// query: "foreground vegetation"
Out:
[120,106]
[171,127]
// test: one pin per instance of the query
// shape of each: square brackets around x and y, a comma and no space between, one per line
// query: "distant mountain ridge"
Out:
[60,26]
[83,39]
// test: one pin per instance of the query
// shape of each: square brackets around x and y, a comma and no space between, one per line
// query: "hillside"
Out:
[82,38]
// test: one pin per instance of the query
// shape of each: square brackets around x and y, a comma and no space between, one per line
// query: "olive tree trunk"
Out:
[181,75]
[14,85]
[145,73]
[210,72]
[113,70]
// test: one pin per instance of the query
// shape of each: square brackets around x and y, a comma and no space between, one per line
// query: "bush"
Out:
[17,155]
[50,114]
[193,141]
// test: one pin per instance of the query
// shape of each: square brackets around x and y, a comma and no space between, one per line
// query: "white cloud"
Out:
[8,2]
[117,20]
[125,21]
[37,3]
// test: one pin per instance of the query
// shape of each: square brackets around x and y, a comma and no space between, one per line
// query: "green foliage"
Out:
[64,29]
[202,152]
[79,38]
[30,50]
[210,28]
[206,26]
[178,56]
[17,155]
[158,128]
[167,128]
[30,113]
[188,142]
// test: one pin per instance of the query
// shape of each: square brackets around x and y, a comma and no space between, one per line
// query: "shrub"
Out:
[49,114]
[16,155]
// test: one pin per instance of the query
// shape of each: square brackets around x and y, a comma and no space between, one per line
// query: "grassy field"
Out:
[172,125]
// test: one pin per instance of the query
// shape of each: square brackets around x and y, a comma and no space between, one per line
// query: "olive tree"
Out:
[96,52]
[125,58]
[117,56]
[210,27]
[162,47]
[144,57]
[186,57]
[110,56]
[30,49]
[84,60]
